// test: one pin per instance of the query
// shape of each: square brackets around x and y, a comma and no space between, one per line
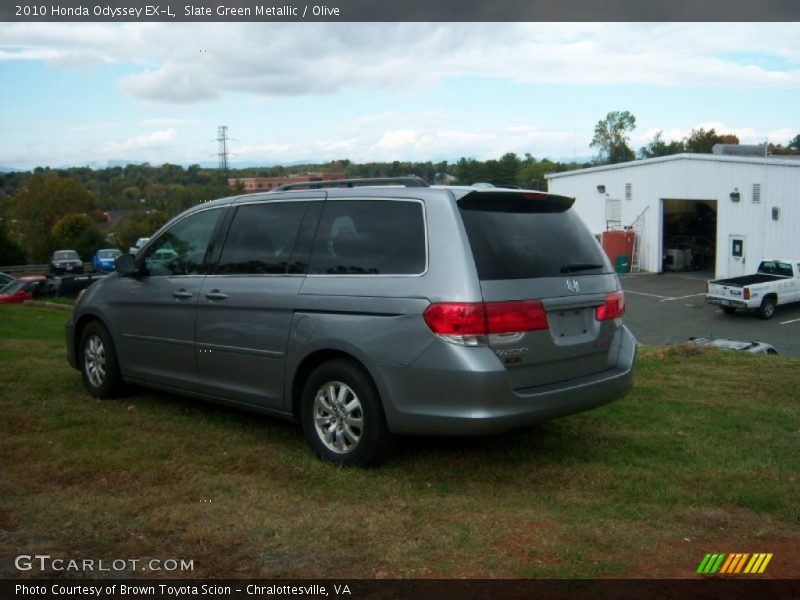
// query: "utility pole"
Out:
[222,139]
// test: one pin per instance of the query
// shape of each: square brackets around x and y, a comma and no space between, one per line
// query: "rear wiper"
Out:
[572,267]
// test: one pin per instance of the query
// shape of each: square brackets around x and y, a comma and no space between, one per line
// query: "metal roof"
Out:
[753,160]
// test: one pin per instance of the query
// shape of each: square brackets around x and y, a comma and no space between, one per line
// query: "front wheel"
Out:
[342,416]
[98,360]
[767,309]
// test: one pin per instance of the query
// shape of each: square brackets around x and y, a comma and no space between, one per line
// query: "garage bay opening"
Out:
[689,236]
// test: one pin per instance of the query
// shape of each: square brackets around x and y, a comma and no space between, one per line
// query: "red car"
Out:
[20,290]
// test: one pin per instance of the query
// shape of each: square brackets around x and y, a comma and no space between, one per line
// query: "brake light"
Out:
[613,308]
[747,293]
[469,322]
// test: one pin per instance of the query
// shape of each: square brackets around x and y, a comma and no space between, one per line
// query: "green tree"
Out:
[137,225]
[658,147]
[11,253]
[79,233]
[701,141]
[532,173]
[611,138]
[508,169]
[38,205]
[794,143]
[468,171]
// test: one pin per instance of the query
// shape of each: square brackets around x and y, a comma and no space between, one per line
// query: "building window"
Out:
[756,193]
[628,191]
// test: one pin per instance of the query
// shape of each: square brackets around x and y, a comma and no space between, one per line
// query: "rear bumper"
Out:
[473,396]
[727,302]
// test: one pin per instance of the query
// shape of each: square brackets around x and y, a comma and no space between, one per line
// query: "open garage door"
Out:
[689,236]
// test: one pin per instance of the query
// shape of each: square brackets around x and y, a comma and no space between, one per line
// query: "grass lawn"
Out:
[701,457]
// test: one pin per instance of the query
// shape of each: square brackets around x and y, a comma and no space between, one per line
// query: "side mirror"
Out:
[124,265]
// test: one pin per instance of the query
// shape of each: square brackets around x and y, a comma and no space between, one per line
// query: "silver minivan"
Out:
[366,310]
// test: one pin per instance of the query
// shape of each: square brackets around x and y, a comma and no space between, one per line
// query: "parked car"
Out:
[138,245]
[366,312]
[103,260]
[66,262]
[725,344]
[20,290]
[5,278]
[775,283]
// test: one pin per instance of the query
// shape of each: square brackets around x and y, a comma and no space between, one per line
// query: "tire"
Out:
[767,308]
[342,416]
[729,310]
[98,362]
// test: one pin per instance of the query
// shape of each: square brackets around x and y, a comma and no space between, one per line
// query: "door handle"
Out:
[182,294]
[216,295]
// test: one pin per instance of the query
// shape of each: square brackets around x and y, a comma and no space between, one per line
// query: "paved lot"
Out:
[666,309]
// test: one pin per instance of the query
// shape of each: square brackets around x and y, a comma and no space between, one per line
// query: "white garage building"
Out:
[699,211]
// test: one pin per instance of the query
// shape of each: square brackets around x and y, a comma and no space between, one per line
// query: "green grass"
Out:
[702,456]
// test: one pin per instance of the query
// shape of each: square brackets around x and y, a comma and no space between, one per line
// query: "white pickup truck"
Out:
[776,282]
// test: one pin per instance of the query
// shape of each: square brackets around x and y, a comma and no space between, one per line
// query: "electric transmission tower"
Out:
[222,139]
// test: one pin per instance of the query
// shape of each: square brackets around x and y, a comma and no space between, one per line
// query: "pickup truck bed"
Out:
[748,280]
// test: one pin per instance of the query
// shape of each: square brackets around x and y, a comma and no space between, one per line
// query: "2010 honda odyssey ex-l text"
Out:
[378,309]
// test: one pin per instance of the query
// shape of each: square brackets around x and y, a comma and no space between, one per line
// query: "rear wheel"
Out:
[98,360]
[767,309]
[729,310]
[342,416]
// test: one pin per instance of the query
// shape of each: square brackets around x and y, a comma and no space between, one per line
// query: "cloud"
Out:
[139,143]
[197,62]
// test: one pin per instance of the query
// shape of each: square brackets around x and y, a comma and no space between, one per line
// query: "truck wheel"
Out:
[729,310]
[767,308]
[342,416]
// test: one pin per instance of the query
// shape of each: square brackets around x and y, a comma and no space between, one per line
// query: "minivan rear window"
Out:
[515,238]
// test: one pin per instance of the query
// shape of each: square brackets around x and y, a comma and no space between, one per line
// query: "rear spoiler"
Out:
[514,201]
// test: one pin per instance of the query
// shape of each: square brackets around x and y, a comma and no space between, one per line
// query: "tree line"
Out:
[612,141]
[50,209]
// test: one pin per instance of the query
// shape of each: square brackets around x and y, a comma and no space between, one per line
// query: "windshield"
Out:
[66,255]
[108,253]
[12,288]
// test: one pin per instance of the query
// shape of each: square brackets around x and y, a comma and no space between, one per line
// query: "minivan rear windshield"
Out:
[516,238]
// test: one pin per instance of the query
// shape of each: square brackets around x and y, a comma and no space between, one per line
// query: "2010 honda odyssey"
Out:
[366,312]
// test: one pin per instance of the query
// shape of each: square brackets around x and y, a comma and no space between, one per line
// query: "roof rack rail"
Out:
[313,185]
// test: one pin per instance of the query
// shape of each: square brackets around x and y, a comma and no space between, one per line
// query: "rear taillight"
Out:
[613,308]
[746,293]
[470,322]
[456,318]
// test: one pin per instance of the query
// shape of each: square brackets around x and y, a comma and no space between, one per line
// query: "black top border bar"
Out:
[208,11]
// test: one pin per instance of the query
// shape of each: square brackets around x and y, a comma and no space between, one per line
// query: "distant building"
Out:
[253,185]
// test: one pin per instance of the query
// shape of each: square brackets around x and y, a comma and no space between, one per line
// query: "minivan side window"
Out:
[181,249]
[370,237]
[261,239]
